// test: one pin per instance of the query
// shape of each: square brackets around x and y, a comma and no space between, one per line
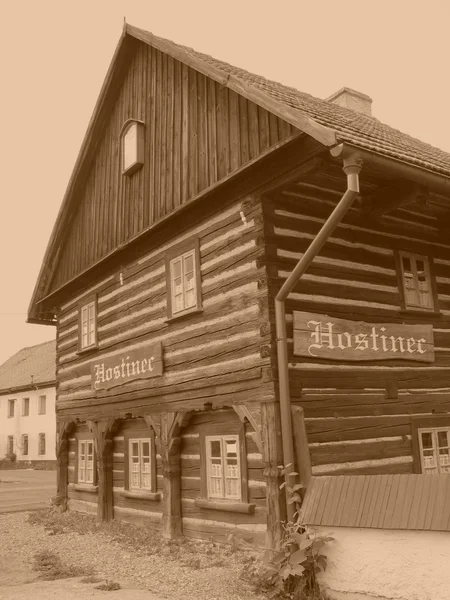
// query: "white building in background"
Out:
[27,404]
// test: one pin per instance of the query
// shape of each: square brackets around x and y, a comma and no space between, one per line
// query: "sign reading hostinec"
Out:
[320,336]
[141,363]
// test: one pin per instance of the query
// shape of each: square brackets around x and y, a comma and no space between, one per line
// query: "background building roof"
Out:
[30,366]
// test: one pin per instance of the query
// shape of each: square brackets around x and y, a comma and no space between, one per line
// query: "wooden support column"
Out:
[103,432]
[63,429]
[302,455]
[167,427]
[273,460]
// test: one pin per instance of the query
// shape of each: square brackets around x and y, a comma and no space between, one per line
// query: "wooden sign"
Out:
[142,363]
[319,336]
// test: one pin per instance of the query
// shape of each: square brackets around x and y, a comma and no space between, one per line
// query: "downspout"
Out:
[352,167]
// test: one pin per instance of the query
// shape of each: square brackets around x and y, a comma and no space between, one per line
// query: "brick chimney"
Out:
[352,99]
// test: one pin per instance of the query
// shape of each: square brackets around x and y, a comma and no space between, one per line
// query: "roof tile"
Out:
[35,364]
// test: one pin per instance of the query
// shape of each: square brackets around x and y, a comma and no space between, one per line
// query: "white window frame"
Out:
[88,325]
[212,495]
[417,303]
[437,467]
[25,403]
[25,436]
[183,289]
[41,437]
[42,405]
[86,461]
[11,408]
[132,146]
[10,444]
[140,468]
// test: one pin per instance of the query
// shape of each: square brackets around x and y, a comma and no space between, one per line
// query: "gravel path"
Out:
[20,541]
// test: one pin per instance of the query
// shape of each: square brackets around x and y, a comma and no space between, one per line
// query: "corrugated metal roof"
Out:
[35,364]
[350,126]
[399,501]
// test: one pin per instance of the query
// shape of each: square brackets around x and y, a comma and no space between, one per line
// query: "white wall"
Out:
[369,564]
[32,425]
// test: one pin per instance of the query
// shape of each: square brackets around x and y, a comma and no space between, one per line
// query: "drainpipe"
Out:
[352,167]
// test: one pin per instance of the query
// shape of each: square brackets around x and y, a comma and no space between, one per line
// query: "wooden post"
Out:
[63,429]
[302,455]
[170,443]
[273,460]
[102,431]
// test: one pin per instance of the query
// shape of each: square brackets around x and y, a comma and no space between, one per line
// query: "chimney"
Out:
[352,99]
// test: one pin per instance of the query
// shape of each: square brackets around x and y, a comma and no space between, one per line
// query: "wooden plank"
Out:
[193,149]
[391,503]
[409,497]
[397,510]
[439,507]
[335,494]
[234,132]
[355,500]
[433,497]
[420,485]
[185,135]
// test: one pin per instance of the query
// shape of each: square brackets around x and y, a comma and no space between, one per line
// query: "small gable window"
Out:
[88,325]
[416,282]
[183,282]
[132,146]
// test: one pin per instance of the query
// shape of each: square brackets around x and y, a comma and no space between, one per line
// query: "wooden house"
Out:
[198,189]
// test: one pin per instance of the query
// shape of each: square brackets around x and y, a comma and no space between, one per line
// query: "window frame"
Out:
[11,403]
[25,435]
[85,437]
[226,504]
[41,436]
[429,268]
[86,303]
[139,146]
[26,402]
[140,434]
[178,253]
[418,424]
[40,411]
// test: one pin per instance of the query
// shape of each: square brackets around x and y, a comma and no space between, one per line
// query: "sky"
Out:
[54,55]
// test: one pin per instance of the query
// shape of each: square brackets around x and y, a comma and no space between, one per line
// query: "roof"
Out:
[399,501]
[361,130]
[327,123]
[35,364]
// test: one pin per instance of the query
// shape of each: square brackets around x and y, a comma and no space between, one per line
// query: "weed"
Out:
[91,579]
[108,586]
[50,567]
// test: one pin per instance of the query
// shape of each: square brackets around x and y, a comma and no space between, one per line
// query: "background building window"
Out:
[42,405]
[416,281]
[25,407]
[10,445]
[24,444]
[435,450]
[88,325]
[140,467]
[41,444]
[223,470]
[11,407]
[86,461]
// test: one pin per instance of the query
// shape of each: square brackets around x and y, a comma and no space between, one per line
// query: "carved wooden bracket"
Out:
[103,432]
[64,429]
[167,427]
[251,412]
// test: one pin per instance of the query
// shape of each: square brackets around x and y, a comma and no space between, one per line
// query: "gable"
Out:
[196,133]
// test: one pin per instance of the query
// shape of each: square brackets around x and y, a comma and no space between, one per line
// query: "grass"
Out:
[51,567]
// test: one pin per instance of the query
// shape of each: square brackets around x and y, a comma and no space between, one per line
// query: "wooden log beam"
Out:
[391,197]
[251,412]
[273,459]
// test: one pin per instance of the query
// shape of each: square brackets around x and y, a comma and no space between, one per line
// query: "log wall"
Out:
[358,416]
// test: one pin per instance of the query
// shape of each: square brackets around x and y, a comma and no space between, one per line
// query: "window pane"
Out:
[145,449]
[215,448]
[176,268]
[406,265]
[443,441]
[135,450]
[231,447]
[427,439]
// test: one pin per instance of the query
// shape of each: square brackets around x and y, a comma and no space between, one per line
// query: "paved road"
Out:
[26,489]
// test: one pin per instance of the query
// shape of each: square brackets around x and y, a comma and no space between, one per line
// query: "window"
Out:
[223,470]
[11,407]
[41,447]
[140,464]
[183,283]
[88,325]
[42,405]
[132,146]
[25,407]
[416,282]
[10,445]
[24,444]
[86,461]
[435,450]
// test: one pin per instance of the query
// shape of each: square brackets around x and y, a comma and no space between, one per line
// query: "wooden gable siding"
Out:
[216,356]
[196,133]
[358,415]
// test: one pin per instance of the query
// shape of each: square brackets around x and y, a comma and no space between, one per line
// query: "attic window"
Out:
[132,146]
